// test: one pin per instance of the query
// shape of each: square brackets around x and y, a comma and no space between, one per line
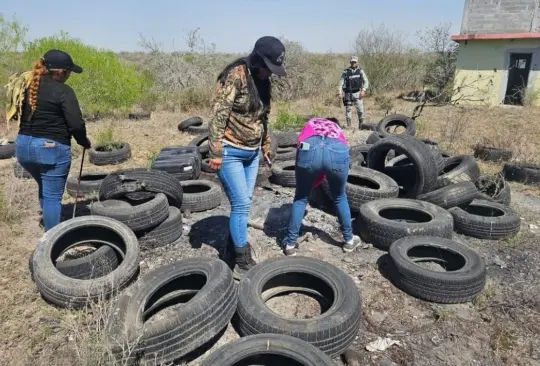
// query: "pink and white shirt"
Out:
[321,127]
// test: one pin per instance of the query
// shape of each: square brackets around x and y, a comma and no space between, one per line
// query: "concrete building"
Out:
[499,53]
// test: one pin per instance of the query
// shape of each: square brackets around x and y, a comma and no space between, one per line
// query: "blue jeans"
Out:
[329,156]
[238,174]
[48,162]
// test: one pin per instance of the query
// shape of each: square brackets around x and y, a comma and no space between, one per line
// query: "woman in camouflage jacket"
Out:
[238,129]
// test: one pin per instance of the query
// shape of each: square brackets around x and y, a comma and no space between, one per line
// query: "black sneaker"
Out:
[352,244]
[244,261]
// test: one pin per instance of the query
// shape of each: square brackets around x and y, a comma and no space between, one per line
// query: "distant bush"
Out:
[106,84]
[12,34]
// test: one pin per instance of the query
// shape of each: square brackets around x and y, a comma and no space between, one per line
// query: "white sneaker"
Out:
[352,244]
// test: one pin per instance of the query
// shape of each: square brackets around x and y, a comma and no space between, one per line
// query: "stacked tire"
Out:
[145,200]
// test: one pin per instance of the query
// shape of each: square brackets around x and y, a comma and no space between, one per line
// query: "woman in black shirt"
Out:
[50,117]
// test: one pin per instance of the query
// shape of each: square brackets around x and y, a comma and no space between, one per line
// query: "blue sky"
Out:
[233,25]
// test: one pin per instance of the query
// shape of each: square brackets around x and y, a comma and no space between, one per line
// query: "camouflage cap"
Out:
[354,59]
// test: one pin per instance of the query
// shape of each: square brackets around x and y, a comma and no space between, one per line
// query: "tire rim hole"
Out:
[289,167]
[364,182]
[450,166]
[112,146]
[90,235]
[267,359]
[287,296]
[195,188]
[408,215]
[171,296]
[396,127]
[93,178]
[436,259]
[484,211]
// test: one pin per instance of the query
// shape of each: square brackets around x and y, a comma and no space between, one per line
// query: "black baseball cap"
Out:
[272,52]
[56,59]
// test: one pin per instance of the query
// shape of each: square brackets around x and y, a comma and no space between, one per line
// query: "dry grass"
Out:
[33,332]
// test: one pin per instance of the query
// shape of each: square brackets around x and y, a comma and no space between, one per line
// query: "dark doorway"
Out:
[518,76]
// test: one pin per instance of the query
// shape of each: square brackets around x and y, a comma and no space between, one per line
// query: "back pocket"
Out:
[339,156]
[304,158]
[48,152]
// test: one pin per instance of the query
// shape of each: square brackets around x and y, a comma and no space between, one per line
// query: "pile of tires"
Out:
[147,201]
[428,196]
[185,163]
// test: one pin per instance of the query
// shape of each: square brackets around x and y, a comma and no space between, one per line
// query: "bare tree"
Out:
[442,52]
[388,61]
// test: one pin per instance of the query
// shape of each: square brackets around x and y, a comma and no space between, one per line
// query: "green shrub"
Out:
[286,119]
[105,85]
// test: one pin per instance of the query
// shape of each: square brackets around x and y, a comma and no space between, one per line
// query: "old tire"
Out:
[118,184]
[201,142]
[283,173]
[461,168]
[364,185]
[101,155]
[486,220]
[165,233]
[190,122]
[488,153]
[425,167]
[287,139]
[522,173]
[374,137]
[493,188]
[144,216]
[90,183]
[268,349]
[368,126]
[7,151]
[402,160]
[101,261]
[70,292]
[285,153]
[396,120]
[452,195]
[358,155]
[384,221]
[200,195]
[201,318]
[465,277]
[332,332]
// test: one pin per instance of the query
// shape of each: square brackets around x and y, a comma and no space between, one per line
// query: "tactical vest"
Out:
[354,80]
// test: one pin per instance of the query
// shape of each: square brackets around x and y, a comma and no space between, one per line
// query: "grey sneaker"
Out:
[352,244]
[290,250]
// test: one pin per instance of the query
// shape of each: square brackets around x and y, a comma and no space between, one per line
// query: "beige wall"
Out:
[481,74]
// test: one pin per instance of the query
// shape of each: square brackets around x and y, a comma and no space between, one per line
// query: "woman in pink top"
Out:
[322,151]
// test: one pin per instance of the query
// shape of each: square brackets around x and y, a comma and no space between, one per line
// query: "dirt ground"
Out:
[500,327]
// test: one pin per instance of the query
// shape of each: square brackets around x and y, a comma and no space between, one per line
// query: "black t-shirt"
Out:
[57,115]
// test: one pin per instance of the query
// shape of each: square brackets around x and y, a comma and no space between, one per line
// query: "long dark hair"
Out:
[260,90]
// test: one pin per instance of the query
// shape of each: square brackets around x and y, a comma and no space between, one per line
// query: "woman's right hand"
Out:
[87,144]
[215,163]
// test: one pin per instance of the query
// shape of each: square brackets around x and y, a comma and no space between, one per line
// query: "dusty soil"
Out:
[500,327]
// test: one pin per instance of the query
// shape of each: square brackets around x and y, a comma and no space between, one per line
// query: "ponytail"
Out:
[38,69]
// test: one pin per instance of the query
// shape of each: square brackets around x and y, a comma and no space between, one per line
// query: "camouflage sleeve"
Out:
[223,101]
[267,138]
[342,81]
[366,81]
